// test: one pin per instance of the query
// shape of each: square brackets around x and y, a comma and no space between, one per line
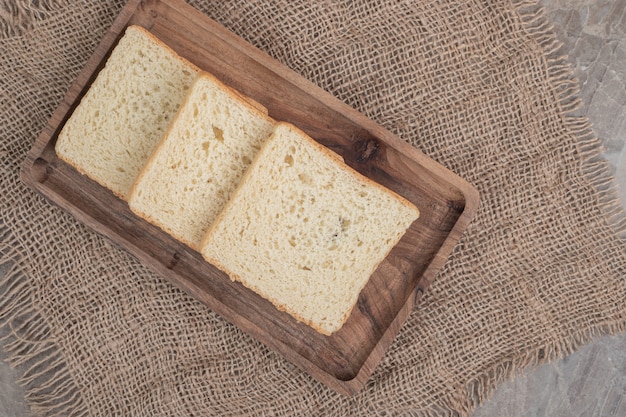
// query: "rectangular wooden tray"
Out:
[345,360]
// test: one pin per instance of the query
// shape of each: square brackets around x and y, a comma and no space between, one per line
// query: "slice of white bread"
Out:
[306,231]
[126,110]
[200,160]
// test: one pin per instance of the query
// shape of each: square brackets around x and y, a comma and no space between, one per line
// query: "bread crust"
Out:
[163,45]
[257,110]
[279,306]
[231,207]
[323,149]
[333,155]
[261,112]
[149,37]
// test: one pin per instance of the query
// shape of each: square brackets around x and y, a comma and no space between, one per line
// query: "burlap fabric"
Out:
[476,85]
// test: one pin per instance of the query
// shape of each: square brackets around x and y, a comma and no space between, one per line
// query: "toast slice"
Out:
[200,160]
[126,110]
[306,231]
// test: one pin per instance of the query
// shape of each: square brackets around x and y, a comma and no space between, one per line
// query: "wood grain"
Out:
[345,360]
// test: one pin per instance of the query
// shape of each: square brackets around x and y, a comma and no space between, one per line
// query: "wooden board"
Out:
[345,360]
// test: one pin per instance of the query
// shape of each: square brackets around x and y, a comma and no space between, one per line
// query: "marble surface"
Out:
[592,381]
[11,394]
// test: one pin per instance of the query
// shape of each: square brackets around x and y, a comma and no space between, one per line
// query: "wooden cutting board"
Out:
[345,360]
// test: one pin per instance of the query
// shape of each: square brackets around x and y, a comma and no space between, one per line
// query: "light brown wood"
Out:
[345,360]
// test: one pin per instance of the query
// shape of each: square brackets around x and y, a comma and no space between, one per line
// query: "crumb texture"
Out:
[125,112]
[200,160]
[305,231]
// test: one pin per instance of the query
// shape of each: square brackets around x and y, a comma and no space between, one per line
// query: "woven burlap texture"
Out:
[477,85]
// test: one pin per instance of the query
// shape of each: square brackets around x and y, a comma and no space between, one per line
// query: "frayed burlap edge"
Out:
[50,388]
[596,169]
[27,339]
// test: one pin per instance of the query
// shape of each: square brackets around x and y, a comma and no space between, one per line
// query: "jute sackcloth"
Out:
[477,85]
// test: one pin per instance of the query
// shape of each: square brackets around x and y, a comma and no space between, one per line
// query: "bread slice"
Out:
[306,231]
[123,115]
[200,161]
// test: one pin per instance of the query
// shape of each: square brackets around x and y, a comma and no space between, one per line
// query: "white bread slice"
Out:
[306,231]
[200,160]
[126,110]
